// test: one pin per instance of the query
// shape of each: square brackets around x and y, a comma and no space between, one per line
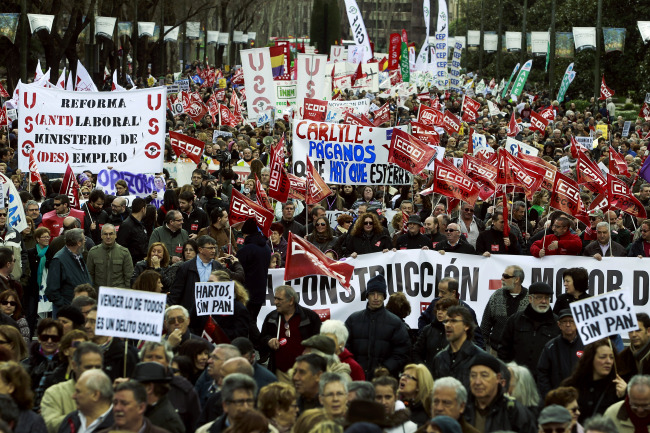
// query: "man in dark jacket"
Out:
[526,332]
[285,328]
[600,247]
[413,239]
[560,355]
[641,247]
[255,257]
[238,395]
[455,243]
[488,408]
[494,241]
[432,229]
[119,212]
[289,223]
[194,218]
[188,274]
[378,338]
[94,215]
[156,378]
[94,397]
[132,234]
[455,360]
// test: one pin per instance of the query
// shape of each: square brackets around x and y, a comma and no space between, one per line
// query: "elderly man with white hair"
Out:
[449,397]
[93,394]
[336,330]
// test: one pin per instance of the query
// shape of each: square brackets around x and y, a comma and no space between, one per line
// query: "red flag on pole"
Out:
[620,197]
[408,152]
[316,188]
[537,122]
[34,175]
[298,189]
[279,184]
[513,127]
[428,134]
[617,164]
[242,208]
[430,116]
[450,122]
[260,195]
[589,174]
[605,92]
[304,259]
[512,172]
[506,226]
[3,92]
[565,196]
[191,147]
[70,187]
[382,115]
[451,182]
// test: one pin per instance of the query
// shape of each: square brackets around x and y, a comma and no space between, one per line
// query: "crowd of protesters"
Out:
[522,368]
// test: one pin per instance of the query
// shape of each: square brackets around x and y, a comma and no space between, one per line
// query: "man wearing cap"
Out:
[413,239]
[526,332]
[554,418]
[632,415]
[255,257]
[156,378]
[599,248]
[378,338]
[488,408]
[560,355]
[494,241]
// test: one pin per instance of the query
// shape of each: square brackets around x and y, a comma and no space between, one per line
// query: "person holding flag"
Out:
[561,242]
[495,240]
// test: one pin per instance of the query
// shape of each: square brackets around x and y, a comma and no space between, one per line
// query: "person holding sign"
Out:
[595,378]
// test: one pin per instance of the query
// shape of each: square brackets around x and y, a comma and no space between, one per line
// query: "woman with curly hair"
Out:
[566,396]
[367,236]
[278,402]
[16,383]
[598,384]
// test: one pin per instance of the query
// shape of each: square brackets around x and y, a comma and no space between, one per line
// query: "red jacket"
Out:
[356,371]
[55,223]
[568,245]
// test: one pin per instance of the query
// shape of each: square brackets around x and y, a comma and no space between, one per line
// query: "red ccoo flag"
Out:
[34,175]
[316,188]
[3,92]
[260,195]
[279,184]
[506,226]
[605,92]
[242,208]
[451,182]
[382,114]
[184,144]
[304,259]
[565,196]
[620,197]
[408,152]
[70,187]
[537,122]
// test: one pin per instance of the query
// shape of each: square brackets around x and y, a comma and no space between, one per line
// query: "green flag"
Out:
[404,63]
[505,89]
[518,86]
[569,75]
[548,55]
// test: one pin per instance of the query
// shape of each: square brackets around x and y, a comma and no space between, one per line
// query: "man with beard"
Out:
[119,212]
[431,230]
[194,218]
[247,158]
[526,333]
[94,215]
[503,303]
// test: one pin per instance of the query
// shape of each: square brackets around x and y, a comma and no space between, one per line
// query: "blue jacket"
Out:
[64,274]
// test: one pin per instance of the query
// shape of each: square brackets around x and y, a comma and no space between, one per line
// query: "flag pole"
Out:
[609,219]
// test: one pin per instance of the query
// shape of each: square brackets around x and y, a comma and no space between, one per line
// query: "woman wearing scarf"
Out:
[36,258]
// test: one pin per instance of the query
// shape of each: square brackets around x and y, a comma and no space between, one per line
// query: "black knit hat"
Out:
[249,227]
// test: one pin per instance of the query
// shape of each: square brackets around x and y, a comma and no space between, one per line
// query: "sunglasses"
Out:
[175,320]
[469,209]
[12,303]
[506,276]
[320,224]
[368,223]
[49,337]
[451,230]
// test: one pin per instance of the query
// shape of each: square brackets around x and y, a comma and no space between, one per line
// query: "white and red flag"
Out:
[428,134]
[382,115]
[430,116]
[316,188]
[451,182]
[565,196]
[115,86]
[620,197]
[513,126]
[304,259]
[279,184]
[260,195]
[408,152]
[84,83]
[450,123]
[184,144]
[617,164]
[314,109]
[70,187]
[605,92]
[34,175]
[537,122]
[242,208]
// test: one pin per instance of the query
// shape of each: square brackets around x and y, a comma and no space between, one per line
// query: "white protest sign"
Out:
[310,70]
[587,142]
[359,106]
[128,313]
[216,134]
[603,167]
[346,154]
[140,185]
[628,123]
[285,95]
[515,146]
[215,298]
[92,130]
[258,77]
[564,164]
[438,156]
[601,316]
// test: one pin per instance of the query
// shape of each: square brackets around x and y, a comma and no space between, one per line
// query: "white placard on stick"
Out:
[128,313]
[215,298]
[601,316]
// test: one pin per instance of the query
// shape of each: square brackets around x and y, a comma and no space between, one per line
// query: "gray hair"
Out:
[516,205]
[153,345]
[289,291]
[265,170]
[638,380]
[97,380]
[236,382]
[337,328]
[83,301]
[74,236]
[601,424]
[241,365]
[330,377]
[34,202]
[364,390]
[518,272]
[602,224]
[176,307]
[229,351]
[108,226]
[525,388]
[451,383]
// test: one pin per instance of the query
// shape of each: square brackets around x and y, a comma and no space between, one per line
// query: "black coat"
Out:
[429,343]
[364,244]
[504,413]
[255,257]
[292,226]
[182,291]
[409,242]
[134,237]
[235,325]
[557,362]
[457,366]
[461,247]
[185,400]
[163,415]
[492,242]
[114,359]
[92,215]
[378,338]
[72,422]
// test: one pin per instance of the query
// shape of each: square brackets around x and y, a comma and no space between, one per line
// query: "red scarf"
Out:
[640,424]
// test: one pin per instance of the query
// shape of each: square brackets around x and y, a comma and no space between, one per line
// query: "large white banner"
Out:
[416,273]
[105,26]
[473,38]
[146,28]
[92,130]
[423,57]
[173,33]
[311,70]
[358,27]
[584,38]
[346,154]
[192,29]
[513,41]
[258,77]
[442,32]
[490,43]
[40,22]
[539,43]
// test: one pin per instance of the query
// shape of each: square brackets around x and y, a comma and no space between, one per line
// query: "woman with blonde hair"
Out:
[310,419]
[415,386]
[237,324]
[278,402]
[157,259]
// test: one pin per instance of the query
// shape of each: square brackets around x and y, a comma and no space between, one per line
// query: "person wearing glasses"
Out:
[641,247]
[455,359]
[554,419]
[456,242]
[527,332]
[42,355]
[633,413]
[367,236]
[560,242]
[172,234]
[238,396]
[415,386]
[53,220]
[469,224]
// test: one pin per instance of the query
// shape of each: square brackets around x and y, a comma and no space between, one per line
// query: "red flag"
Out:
[304,259]
[260,195]
[298,189]
[193,106]
[3,117]
[279,184]
[538,123]
[548,113]
[425,133]
[408,152]
[315,109]
[576,148]
[511,172]
[590,174]
[357,75]
[541,167]
[393,51]
[482,173]
[565,196]
[236,107]
[430,116]
[242,208]
[3,92]
[351,119]
[513,126]
[424,97]
[469,116]
[405,38]
[316,188]
[620,197]
[617,164]
[220,94]
[405,222]
[191,147]
[450,123]
[238,77]
[470,104]
[506,226]
[645,111]
[70,187]
[226,117]
[605,92]
[34,175]
[382,114]
[451,182]
[436,104]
